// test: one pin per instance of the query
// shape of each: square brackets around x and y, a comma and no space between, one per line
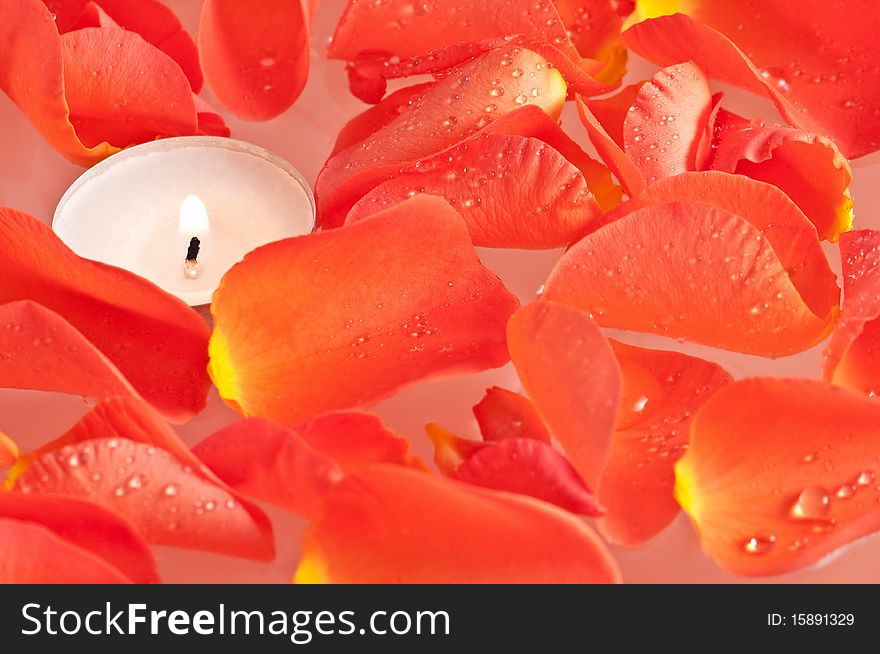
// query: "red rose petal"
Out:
[529,467]
[513,192]
[852,357]
[410,300]
[394,40]
[780,473]
[149,18]
[296,468]
[154,340]
[568,369]
[731,263]
[817,70]
[503,414]
[122,456]
[255,56]
[661,131]
[807,167]
[32,554]
[387,524]
[433,123]
[88,526]
[661,390]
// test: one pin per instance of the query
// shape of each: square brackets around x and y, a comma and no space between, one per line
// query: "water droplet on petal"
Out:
[811,504]
[759,544]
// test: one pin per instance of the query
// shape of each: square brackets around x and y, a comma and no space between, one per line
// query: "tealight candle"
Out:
[182,211]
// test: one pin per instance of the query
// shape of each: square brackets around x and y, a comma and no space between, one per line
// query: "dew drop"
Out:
[759,544]
[521,98]
[170,490]
[865,478]
[811,504]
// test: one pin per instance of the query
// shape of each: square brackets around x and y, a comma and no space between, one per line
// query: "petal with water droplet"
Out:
[753,455]
[420,133]
[255,56]
[394,316]
[714,258]
[387,524]
[852,357]
[152,338]
[88,526]
[831,82]
[807,167]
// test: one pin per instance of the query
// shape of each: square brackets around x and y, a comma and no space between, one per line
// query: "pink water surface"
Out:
[33,177]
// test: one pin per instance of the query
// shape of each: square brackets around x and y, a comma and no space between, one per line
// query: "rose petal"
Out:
[624,168]
[92,91]
[661,390]
[433,123]
[392,40]
[149,18]
[32,554]
[809,168]
[450,451]
[852,358]
[256,57]
[387,524]
[122,456]
[731,263]
[513,192]
[155,341]
[296,468]
[568,369]
[8,451]
[503,414]
[817,70]
[529,467]
[662,127]
[87,526]
[410,300]
[779,473]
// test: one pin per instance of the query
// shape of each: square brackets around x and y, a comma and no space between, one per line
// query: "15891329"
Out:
[811,620]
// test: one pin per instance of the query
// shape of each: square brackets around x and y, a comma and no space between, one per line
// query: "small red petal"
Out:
[503,414]
[388,524]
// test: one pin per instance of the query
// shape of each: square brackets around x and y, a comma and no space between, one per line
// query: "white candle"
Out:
[141,208]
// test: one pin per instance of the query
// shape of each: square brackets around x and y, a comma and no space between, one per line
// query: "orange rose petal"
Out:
[503,414]
[432,124]
[809,168]
[780,473]
[611,152]
[661,390]
[852,358]
[210,122]
[388,524]
[529,467]
[611,111]
[86,525]
[815,70]
[32,554]
[149,18]
[513,192]
[255,56]
[388,41]
[706,140]
[296,468]
[662,127]
[155,341]
[730,262]
[122,456]
[568,369]
[450,451]
[410,300]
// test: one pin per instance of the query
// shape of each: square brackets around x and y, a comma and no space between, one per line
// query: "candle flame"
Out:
[193,217]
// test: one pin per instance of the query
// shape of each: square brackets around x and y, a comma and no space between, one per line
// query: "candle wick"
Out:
[192,252]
